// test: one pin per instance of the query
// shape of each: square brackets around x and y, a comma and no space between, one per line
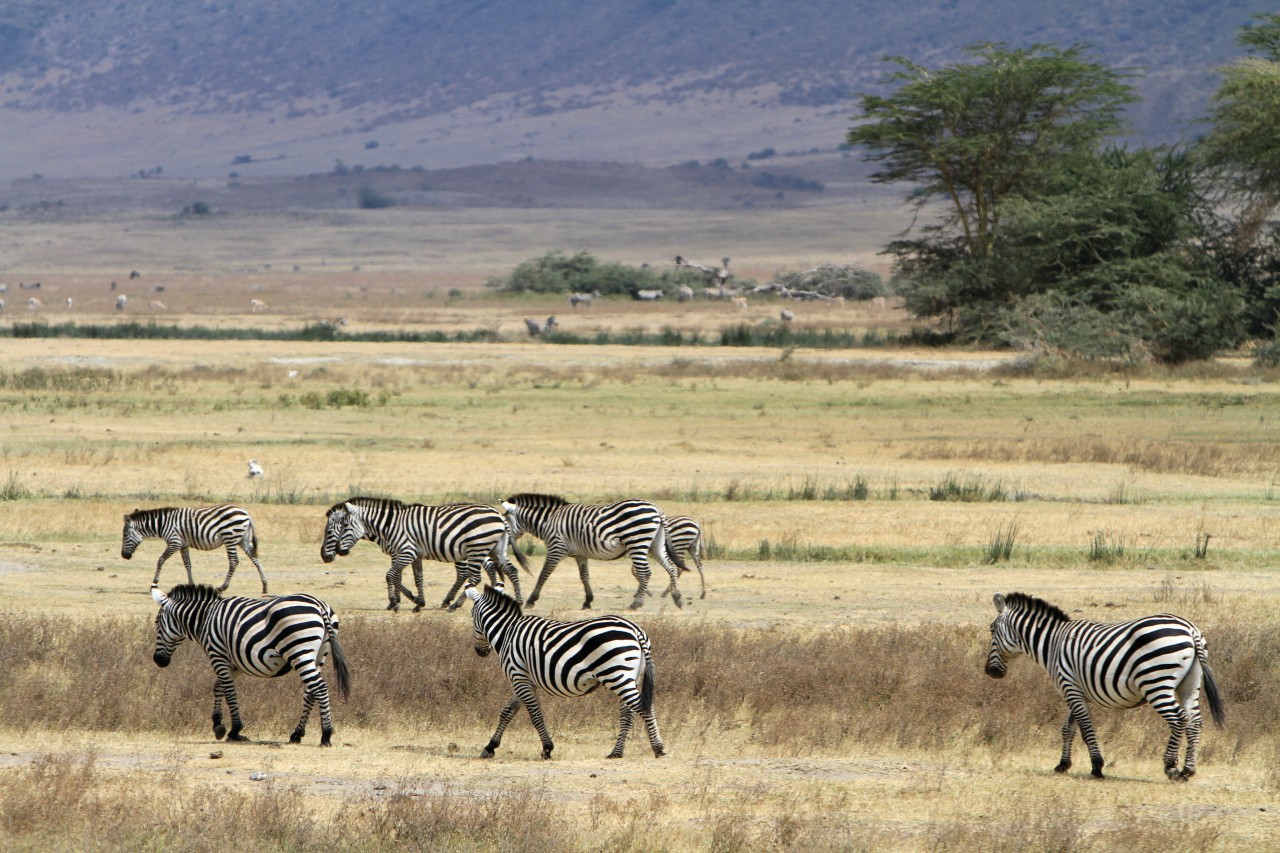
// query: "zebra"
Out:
[633,528]
[471,536]
[202,528]
[565,659]
[684,536]
[1160,660]
[261,637]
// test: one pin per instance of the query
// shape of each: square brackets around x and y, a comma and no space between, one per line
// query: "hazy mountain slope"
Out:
[188,85]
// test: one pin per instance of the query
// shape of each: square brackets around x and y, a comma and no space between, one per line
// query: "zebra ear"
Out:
[349,508]
[470,591]
[999,602]
[159,596]
[506,507]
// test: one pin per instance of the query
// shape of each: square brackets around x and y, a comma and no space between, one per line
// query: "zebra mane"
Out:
[195,592]
[501,602]
[149,514]
[1029,602]
[365,500]
[534,499]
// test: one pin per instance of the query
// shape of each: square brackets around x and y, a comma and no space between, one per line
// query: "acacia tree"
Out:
[973,136]
[1244,142]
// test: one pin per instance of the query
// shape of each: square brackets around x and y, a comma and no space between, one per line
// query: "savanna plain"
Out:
[862,506]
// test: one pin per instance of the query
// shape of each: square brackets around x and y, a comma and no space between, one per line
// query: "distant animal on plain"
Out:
[786,316]
[256,471]
[135,274]
[121,301]
[34,304]
[257,306]
[156,305]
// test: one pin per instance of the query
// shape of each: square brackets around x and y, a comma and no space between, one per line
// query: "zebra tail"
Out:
[646,689]
[1211,688]
[672,556]
[342,675]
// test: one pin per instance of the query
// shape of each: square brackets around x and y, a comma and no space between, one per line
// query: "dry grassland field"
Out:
[862,506]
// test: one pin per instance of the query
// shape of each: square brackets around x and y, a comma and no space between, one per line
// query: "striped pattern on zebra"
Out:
[1159,660]
[203,528]
[684,536]
[473,537]
[630,528]
[565,659]
[260,637]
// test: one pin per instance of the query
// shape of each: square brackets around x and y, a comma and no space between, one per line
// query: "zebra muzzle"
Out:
[161,659]
[996,671]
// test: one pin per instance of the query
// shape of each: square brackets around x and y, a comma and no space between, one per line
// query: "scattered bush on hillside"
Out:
[371,199]
[581,272]
[847,280]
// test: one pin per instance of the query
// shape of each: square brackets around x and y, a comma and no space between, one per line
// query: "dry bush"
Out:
[797,693]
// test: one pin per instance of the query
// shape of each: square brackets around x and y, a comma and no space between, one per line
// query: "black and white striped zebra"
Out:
[262,637]
[203,528]
[684,536]
[473,537]
[630,528]
[565,659]
[1159,660]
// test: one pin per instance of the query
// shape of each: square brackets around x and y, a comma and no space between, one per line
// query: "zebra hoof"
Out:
[1184,776]
[296,737]
[546,755]
[219,732]
[1063,767]
[659,752]
[486,753]
[326,739]
[236,736]
[614,754]
[394,607]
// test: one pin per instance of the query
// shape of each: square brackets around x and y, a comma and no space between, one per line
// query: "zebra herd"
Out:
[1160,660]
[267,637]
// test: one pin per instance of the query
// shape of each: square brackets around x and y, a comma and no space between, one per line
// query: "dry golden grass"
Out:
[828,697]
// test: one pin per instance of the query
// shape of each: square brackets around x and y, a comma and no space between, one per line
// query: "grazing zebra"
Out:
[471,536]
[261,637]
[684,536]
[202,528]
[1160,660]
[630,528]
[565,659]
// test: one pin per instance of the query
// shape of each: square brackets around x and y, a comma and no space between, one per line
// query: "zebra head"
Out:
[511,515]
[132,536]
[1019,619]
[343,528]
[169,630]
[181,611]
[491,612]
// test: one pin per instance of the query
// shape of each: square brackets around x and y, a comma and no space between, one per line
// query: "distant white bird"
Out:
[787,316]
[255,470]
[293,374]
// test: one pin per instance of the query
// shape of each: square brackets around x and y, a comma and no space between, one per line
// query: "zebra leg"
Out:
[655,739]
[262,576]
[702,578]
[186,561]
[419,601]
[1068,736]
[1166,705]
[554,554]
[169,551]
[510,571]
[1080,711]
[219,730]
[225,688]
[640,571]
[460,576]
[395,586]
[535,715]
[585,576]
[660,549]
[504,720]
[234,559]
[1189,698]
[301,729]
[625,719]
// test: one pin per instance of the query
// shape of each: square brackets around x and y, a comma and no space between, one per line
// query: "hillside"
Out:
[200,88]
